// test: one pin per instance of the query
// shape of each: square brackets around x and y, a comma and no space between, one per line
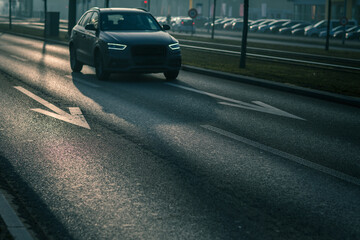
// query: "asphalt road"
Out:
[137,157]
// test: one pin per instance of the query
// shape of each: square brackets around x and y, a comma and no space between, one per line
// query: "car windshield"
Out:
[322,23]
[128,22]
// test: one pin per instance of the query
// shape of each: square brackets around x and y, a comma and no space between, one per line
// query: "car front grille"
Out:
[149,55]
[149,51]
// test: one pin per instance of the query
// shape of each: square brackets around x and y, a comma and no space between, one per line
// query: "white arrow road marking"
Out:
[255,105]
[75,117]
[18,58]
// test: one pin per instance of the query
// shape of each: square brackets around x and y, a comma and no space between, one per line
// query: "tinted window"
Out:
[95,20]
[85,19]
[128,21]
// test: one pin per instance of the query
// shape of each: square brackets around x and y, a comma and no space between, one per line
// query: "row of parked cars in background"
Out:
[275,26]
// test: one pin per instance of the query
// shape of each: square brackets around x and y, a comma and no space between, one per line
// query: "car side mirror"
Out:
[90,27]
[166,27]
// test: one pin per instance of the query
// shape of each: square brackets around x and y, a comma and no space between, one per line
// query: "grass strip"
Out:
[317,51]
[345,83]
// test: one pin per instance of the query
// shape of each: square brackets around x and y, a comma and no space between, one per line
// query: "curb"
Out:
[352,101]
[14,225]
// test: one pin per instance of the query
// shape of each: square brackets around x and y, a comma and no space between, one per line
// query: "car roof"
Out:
[109,10]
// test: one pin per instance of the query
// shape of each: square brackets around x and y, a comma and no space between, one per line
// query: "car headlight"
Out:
[116,46]
[174,46]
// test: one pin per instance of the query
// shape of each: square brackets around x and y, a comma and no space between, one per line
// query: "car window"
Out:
[94,19]
[85,19]
[128,21]
[320,24]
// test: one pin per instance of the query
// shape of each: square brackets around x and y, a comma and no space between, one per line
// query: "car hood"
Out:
[135,37]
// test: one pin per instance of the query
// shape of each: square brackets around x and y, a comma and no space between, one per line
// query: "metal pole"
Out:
[148,5]
[10,21]
[213,26]
[72,15]
[328,26]
[208,28]
[45,20]
[344,29]
[107,3]
[244,34]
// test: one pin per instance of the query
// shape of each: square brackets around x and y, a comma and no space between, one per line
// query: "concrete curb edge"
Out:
[352,101]
[13,223]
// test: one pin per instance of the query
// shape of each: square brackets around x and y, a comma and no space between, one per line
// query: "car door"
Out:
[90,39]
[81,35]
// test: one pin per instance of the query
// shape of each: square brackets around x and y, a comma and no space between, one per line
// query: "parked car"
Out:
[353,35]
[255,26]
[277,27]
[298,27]
[228,25]
[340,33]
[123,40]
[332,31]
[265,27]
[300,31]
[209,24]
[200,21]
[220,24]
[186,25]
[258,21]
[313,31]
[161,20]
[239,25]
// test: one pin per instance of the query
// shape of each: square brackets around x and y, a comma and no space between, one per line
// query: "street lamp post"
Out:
[328,26]
[10,6]
[244,35]
[72,15]
[45,20]
[213,25]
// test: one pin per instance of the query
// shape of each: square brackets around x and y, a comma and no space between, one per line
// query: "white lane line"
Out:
[19,58]
[83,81]
[255,105]
[208,94]
[285,155]
[12,221]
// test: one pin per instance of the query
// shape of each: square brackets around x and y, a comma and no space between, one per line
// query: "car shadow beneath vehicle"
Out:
[121,78]
[136,78]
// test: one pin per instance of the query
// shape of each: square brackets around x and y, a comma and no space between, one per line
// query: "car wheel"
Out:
[75,65]
[171,75]
[101,74]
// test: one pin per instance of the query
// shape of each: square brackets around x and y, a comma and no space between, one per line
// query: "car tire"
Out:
[101,74]
[75,65]
[171,75]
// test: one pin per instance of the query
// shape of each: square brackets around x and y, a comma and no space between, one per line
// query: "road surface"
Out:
[137,157]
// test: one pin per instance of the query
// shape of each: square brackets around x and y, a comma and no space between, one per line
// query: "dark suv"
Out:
[123,40]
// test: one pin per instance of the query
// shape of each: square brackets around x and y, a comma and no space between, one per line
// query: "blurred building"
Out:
[309,10]
[347,8]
